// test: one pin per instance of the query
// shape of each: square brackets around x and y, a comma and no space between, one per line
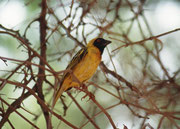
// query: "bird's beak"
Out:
[107,42]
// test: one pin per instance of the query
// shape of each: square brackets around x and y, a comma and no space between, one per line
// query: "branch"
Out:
[80,108]
[106,70]
[43,47]
[33,93]
[150,38]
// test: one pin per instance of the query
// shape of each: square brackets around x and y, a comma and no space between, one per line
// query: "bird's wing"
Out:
[75,60]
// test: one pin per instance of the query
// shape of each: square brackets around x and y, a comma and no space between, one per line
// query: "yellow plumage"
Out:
[83,66]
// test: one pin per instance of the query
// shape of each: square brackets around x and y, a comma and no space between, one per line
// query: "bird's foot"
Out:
[84,89]
[87,93]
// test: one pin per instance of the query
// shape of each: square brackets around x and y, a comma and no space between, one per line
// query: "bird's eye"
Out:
[98,40]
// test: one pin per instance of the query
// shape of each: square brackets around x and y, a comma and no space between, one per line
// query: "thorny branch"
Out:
[145,92]
[43,49]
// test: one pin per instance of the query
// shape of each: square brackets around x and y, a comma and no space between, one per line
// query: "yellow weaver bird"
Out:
[83,65]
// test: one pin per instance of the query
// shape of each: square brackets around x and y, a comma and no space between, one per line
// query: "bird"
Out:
[82,66]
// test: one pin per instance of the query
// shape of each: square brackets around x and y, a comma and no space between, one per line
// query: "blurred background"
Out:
[145,37]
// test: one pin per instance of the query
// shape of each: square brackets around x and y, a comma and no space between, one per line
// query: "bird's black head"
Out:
[101,43]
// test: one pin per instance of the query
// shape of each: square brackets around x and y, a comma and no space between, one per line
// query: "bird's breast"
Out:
[87,67]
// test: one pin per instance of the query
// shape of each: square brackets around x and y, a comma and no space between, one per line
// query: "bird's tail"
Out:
[57,96]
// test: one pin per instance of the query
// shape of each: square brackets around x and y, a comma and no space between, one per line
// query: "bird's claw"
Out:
[91,96]
[84,89]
